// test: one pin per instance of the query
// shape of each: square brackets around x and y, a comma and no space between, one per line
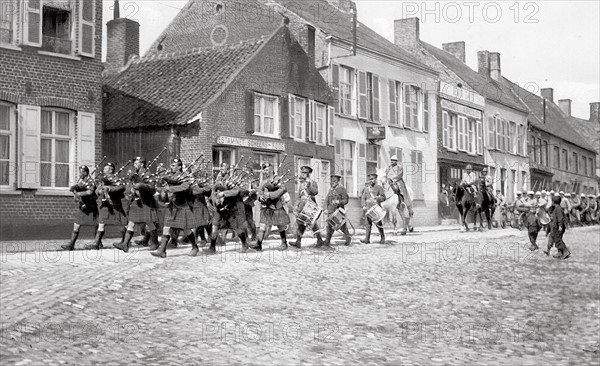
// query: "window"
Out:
[7,143]
[55,153]
[394,92]
[317,122]
[492,133]
[584,165]
[372,159]
[513,187]
[471,148]
[346,90]
[220,156]
[417,175]
[87,40]
[479,137]
[520,136]
[8,10]
[297,110]
[411,106]
[56,28]
[462,133]
[556,157]
[347,159]
[534,149]
[575,162]
[591,169]
[524,178]
[452,132]
[565,164]
[445,129]
[368,96]
[545,153]
[425,112]
[503,181]
[266,115]
[512,138]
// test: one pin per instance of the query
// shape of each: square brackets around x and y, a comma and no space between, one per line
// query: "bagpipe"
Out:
[78,188]
[105,182]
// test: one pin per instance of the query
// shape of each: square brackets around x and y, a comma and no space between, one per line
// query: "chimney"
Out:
[406,32]
[343,5]
[456,48]
[495,66]
[123,41]
[548,93]
[595,112]
[565,106]
[483,62]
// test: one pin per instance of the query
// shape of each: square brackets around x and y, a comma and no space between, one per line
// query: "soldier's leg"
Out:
[283,236]
[532,232]
[299,232]
[161,252]
[153,242]
[381,232]
[260,236]
[146,239]
[74,236]
[347,237]
[317,232]
[213,240]
[98,241]
[192,238]
[367,238]
[124,245]
[200,232]
[328,237]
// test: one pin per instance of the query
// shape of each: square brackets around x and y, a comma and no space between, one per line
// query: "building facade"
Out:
[50,109]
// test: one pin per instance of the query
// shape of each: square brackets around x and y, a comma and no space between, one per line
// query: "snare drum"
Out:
[337,219]
[310,214]
[376,213]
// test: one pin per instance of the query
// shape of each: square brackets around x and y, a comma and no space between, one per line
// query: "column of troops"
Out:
[201,206]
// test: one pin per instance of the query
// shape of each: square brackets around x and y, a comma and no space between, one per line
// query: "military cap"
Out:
[84,167]
[306,169]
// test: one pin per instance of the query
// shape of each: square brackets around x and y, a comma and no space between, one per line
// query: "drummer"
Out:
[307,191]
[335,203]
[372,196]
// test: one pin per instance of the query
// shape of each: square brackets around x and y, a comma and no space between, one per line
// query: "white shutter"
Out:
[32,25]
[312,131]
[330,127]
[445,140]
[87,27]
[86,139]
[292,115]
[29,147]
[479,137]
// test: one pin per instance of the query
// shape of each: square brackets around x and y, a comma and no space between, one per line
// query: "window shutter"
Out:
[426,111]
[250,112]
[376,116]
[362,94]
[392,101]
[86,133]
[308,120]
[87,30]
[445,129]
[407,119]
[362,167]
[285,117]
[330,125]
[335,86]
[479,137]
[29,147]
[338,157]
[32,26]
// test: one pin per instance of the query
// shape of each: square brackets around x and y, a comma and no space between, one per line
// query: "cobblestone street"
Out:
[425,298]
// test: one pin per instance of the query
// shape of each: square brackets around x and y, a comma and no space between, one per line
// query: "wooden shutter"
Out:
[376,114]
[392,101]
[32,26]
[86,137]
[407,108]
[445,129]
[426,111]
[361,174]
[335,86]
[362,94]
[285,117]
[250,112]
[479,137]
[29,147]
[330,125]
[308,120]
[337,167]
[87,30]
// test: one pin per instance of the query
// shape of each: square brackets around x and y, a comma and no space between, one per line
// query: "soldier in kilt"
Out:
[111,206]
[85,195]
[179,216]
[249,198]
[201,214]
[272,213]
[229,214]
[142,207]
[307,192]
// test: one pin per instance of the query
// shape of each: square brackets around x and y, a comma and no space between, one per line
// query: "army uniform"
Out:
[201,213]
[337,198]
[272,213]
[394,175]
[87,213]
[373,195]
[307,191]
[229,214]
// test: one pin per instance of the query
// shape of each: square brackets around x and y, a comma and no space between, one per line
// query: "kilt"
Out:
[143,215]
[234,219]
[112,216]
[88,218]
[200,216]
[274,217]
[179,218]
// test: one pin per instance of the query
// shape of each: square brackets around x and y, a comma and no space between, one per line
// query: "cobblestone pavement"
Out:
[426,299]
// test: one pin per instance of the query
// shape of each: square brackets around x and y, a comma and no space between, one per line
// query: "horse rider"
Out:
[373,195]
[469,180]
[336,199]
[394,175]
[307,191]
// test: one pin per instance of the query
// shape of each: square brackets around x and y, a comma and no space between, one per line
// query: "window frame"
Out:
[377,149]
[71,138]
[11,133]
[10,4]
[463,125]
[350,72]
[292,100]
[261,98]
[350,160]
[414,117]
[313,122]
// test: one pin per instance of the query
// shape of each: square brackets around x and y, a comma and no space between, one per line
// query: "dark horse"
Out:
[466,202]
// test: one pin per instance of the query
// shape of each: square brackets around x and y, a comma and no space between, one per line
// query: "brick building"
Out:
[224,102]
[50,109]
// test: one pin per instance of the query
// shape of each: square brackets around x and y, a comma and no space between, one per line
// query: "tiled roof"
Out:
[497,91]
[170,89]
[556,123]
[587,129]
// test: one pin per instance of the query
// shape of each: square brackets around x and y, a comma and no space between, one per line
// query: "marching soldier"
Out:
[592,208]
[575,205]
[307,191]
[394,174]
[372,196]
[223,174]
[85,194]
[111,208]
[143,206]
[200,192]
[272,212]
[178,216]
[336,199]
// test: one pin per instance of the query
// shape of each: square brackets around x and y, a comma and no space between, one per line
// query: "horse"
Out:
[466,202]
[390,205]
[488,206]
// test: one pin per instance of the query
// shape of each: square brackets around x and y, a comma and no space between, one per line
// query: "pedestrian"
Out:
[336,201]
[557,229]
[444,203]
[533,227]
[84,192]
[372,197]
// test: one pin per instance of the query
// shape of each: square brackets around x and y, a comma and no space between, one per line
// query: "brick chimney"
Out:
[406,32]
[565,106]
[548,93]
[483,62]
[457,49]
[123,41]
[595,112]
[343,5]
[495,66]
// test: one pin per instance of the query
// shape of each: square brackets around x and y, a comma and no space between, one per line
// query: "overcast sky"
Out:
[550,43]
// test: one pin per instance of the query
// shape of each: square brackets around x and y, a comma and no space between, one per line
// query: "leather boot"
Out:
[284,244]
[124,245]
[298,242]
[367,235]
[161,252]
[71,245]
[348,241]
[327,238]
[381,235]
[212,249]
[195,249]
[153,242]
[244,240]
[320,242]
[97,243]
[144,242]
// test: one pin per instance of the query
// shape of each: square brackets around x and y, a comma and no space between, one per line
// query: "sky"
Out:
[547,44]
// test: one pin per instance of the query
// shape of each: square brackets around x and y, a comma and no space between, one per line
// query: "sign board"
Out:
[462,109]
[257,144]
[376,133]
